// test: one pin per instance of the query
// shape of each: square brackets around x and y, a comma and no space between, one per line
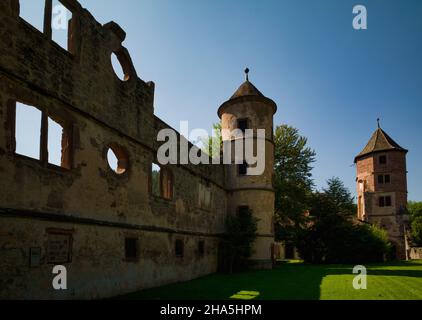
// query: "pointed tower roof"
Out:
[246,89]
[247,92]
[380,141]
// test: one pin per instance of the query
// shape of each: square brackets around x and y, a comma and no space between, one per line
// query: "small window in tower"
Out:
[380,179]
[387,178]
[242,210]
[388,201]
[383,159]
[131,249]
[243,169]
[242,124]
[179,248]
[382,202]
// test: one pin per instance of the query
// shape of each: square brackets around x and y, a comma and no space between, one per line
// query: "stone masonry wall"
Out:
[99,207]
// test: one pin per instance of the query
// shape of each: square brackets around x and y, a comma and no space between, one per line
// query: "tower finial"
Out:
[379,125]
[247,74]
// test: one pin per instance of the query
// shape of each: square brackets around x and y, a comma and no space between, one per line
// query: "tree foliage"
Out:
[341,196]
[292,180]
[415,211]
[417,230]
[241,233]
[333,237]
[212,145]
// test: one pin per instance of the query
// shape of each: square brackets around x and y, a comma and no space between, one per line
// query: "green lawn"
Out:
[291,281]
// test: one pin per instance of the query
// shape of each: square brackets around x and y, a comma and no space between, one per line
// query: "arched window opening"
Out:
[118,159]
[122,64]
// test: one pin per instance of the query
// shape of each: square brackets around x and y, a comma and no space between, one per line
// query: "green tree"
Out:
[334,238]
[415,209]
[341,196]
[241,233]
[292,181]
[417,230]
[212,145]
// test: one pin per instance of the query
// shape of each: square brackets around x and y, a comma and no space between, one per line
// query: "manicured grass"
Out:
[292,281]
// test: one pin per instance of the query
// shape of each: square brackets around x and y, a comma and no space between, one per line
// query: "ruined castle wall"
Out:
[89,201]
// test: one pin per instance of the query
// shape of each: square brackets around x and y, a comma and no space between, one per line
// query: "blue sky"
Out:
[329,80]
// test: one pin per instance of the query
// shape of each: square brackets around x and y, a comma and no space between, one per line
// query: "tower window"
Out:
[384,179]
[242,210]
[382,159]
[131,249]
[388,201]
[385,201]
[179,248]
[243,169]
[242,124]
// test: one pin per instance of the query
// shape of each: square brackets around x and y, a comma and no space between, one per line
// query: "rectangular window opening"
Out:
[387,178]
[242,124]
[131,248]
[167,184]
[201,248]
[32,11]
[383,159]
[55,137]
[381,179]
[61,25]
[242,210]
[388,201]
[28,130]
[155,180]
[382,202]
[179,248]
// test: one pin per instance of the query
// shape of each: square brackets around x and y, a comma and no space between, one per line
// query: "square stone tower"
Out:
[382,187]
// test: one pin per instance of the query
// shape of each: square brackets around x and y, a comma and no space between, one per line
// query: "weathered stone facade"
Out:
[382,188]
[82,214]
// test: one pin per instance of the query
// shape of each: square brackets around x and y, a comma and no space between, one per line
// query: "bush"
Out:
[345,242]
[417,230]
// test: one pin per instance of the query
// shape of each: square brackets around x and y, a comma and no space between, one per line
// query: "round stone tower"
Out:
[382,187]
[249,109]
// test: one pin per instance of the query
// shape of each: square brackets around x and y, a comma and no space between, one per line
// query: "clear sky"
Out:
[329,80]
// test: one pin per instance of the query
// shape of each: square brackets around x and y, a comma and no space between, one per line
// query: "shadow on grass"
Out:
[288,281]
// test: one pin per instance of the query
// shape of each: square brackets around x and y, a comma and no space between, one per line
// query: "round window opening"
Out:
[118,67]
[117,159]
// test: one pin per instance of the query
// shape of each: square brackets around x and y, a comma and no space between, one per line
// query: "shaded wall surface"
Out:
[82,214]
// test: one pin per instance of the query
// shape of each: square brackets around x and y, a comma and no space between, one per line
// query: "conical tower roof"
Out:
[379,142]
[246,89]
